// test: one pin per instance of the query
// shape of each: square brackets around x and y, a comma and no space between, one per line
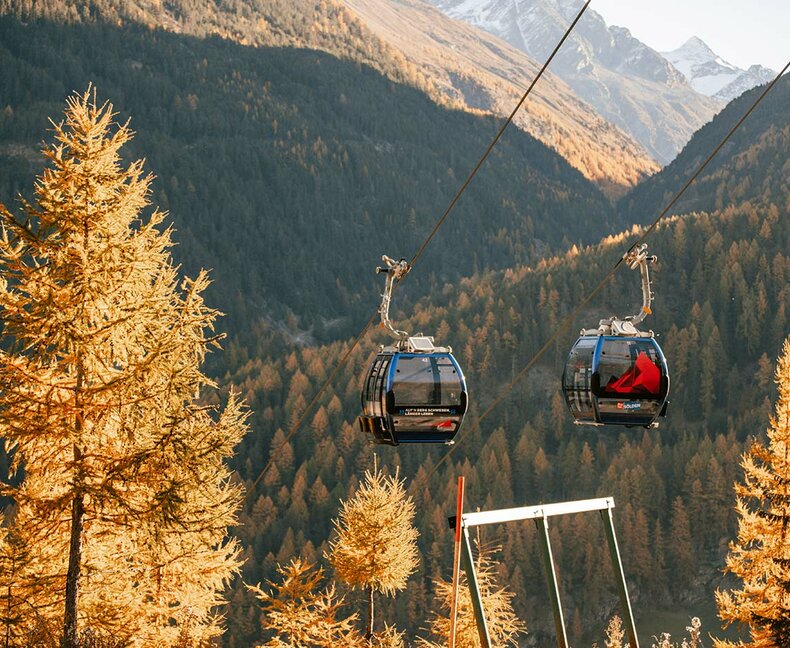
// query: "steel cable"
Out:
[308,408]
[566,322]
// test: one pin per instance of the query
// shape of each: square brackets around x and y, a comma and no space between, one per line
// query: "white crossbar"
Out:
[537,511]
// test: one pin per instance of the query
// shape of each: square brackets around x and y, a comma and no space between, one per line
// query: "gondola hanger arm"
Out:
[636,257]
[395,271]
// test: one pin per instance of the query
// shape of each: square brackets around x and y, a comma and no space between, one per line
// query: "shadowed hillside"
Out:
[752,166]
[410,43]
[289,172]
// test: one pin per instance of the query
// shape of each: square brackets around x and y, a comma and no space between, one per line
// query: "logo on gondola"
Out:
[629,406]
[425,411]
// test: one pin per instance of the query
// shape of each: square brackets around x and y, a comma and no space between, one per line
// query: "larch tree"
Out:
[375,547]
[300,614]
[760,557]
[504,627]
[615,634]
[124,501]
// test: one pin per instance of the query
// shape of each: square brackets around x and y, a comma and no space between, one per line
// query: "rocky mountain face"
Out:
[755,76]
[711,75]
[480,72]
[627,82]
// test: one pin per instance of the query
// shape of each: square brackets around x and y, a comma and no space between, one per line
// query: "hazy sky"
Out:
[743,32]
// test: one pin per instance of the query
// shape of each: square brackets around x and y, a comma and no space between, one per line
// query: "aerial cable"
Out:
[296,426]
[499,134]
[677,196]
[566,322]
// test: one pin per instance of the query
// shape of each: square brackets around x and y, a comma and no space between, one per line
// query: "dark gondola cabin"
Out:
[616,380]
[616,374]
[414,391]
[413,397]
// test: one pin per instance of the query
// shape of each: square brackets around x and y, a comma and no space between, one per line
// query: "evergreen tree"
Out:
[376,542]
[680,550]
[761,555]
[125,501]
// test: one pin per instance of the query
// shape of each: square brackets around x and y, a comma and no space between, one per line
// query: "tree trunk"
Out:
[8,614]
[369,632]
[70,639]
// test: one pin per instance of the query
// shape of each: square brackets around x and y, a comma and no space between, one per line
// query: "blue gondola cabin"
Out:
[413,398]
[615,380]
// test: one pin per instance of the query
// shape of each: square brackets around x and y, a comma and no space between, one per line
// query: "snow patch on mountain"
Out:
[756,75]
[711,75]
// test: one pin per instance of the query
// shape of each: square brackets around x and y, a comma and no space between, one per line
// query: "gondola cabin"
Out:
[415,397]
[616,380]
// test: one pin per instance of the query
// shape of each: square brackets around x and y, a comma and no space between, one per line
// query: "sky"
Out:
[743,32]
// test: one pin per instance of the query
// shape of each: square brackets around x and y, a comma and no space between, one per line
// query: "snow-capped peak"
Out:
[710,74]
[696,48]
[703,68]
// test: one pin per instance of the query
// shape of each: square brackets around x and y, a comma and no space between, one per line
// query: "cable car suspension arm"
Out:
[637,257]
[395,271]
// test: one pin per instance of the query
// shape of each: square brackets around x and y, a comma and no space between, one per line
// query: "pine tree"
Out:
[375,547]
[504,626]
[125,500]
[761,555]
[301,616]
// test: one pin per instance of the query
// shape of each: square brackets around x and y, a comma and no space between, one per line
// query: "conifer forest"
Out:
[194,199]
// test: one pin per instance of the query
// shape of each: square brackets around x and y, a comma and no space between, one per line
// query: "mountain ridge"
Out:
[483,72]
[711,75]
[761,142]
[627,82]
[352,30]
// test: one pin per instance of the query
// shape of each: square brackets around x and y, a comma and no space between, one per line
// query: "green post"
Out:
[554,590]
[474,589]
[617,567]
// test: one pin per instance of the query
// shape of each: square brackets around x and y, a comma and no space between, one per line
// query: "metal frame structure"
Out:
[541,513]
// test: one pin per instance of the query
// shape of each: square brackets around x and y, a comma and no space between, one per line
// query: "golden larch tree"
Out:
[300,613]
[504,627]
[375,547]
[760,557]
[125,499]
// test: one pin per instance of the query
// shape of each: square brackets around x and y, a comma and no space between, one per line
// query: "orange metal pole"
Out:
[459,510]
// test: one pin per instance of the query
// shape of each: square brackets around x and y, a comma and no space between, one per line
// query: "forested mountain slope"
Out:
[410,43]
[721,306]
[753,166]
[324,25]
[721,330]
[481,71]
[289,172]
